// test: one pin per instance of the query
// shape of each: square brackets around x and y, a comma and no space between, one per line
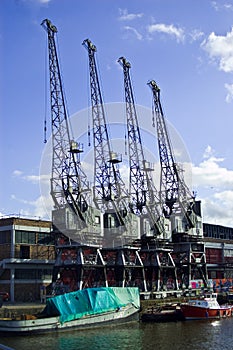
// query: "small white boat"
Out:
[87,308]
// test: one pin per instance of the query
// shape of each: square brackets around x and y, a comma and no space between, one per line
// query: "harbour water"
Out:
[188,335]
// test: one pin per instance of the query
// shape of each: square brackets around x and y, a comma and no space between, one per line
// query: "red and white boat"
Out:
[205,307]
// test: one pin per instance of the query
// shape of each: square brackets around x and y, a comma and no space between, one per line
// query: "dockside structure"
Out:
[29,259]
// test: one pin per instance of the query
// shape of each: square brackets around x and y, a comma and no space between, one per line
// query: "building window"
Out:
[32,274]
[5,237]
[97,220]
[24,252]
[25,274]
[44,274]
[27,237]
[45,239]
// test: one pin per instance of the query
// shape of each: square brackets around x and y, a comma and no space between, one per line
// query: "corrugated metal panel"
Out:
[213,255]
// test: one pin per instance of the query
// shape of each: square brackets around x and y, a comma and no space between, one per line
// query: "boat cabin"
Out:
[208,301]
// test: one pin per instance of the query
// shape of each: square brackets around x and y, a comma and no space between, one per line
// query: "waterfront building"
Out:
[217,232]
[27,253]
[219,254]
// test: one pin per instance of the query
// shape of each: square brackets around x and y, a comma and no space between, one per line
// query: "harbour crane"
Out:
[180,205]
[110,194]
[143,194]
[179,202]
[156,229]
[70,189]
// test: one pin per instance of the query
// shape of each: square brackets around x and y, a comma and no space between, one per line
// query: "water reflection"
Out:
[189,335]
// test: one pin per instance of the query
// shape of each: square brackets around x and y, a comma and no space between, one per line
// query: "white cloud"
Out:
[220,50]
[17,173]
[170,29]
[219,6]
[229,96]
[21,200]
[134,31]
[42,210]
[40,207]
[35,2]
[125,16]
[32,178]
[196,35]
[35,179]
[215,189]
[208,152]
[228,6]
[209,173]
[217,209]
[38,1]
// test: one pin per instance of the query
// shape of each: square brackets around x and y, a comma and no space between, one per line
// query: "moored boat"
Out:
[205,307]
[85,308]
[167,313]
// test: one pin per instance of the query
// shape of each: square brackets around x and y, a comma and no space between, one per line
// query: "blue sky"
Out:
[185,45]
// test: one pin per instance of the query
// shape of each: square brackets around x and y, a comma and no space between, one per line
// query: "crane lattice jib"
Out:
[109,186]
[102,188]
[143,194]
[174,191]
[67,178]
[138,187]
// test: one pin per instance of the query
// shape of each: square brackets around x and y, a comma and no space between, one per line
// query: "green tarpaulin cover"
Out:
[91,301]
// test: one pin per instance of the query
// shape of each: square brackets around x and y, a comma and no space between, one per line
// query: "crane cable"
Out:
[153,114]
[70,129]
[46,95]
[89,109]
